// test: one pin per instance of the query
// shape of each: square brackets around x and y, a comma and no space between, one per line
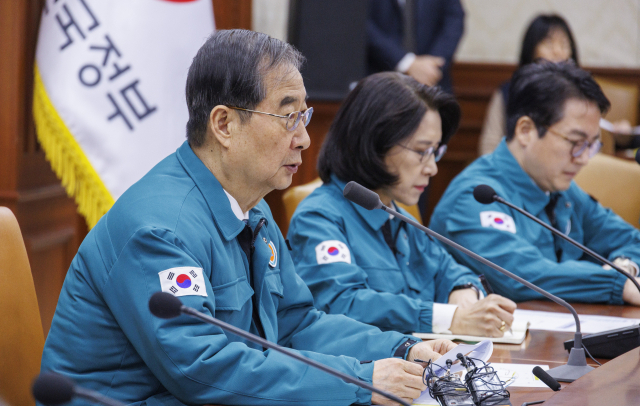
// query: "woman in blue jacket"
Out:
[388,136]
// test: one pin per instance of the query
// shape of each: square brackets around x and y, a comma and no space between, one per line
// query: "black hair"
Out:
[540,90]
[229,69]
[380,112]
[538,30]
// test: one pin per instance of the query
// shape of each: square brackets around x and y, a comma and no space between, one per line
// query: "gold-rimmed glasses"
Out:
[293,119]
[578,147]
[437,151]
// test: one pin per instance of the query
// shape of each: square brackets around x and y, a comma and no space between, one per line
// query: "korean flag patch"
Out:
[332,251]
[183,281]
[498,220]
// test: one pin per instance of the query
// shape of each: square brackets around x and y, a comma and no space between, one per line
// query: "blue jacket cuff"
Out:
[618,286]
[364,372]
[425,319]
[402,349]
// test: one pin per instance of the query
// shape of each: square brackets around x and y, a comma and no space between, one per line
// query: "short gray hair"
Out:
[229,69]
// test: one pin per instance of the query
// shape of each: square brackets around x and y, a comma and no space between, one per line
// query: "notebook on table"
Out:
[516,336]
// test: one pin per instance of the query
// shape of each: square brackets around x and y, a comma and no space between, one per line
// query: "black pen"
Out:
[485,285]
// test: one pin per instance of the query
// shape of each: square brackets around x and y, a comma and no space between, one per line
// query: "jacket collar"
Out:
[228,223]
[533,198]
[374,218]
[235,208]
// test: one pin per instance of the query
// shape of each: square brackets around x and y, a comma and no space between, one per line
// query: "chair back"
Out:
[624,106]
[623,98]
[21,339]
[615,183]
[296,194]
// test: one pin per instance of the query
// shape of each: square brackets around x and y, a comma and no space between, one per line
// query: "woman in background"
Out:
[388,135]
[547,37]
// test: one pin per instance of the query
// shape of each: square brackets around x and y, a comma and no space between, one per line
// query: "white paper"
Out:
[608,125]
[519,375]
[589,324]
[516,335]
[425,400]
[482,350]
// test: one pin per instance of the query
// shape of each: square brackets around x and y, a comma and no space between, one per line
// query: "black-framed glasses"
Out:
[293,119]
[578,147]
[437,151]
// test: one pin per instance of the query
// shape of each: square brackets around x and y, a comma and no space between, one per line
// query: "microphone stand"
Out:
[267,344]
[567,238]
[577,363]
[95,397]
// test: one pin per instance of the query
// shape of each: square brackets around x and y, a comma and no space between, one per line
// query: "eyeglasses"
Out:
[437,150]
[580,146]
[293,119]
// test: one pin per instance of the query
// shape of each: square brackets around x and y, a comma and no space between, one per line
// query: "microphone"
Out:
[362,196]
[166,306]
[463,360]
[546,378]
[577,364]
[53,389]
[486,195]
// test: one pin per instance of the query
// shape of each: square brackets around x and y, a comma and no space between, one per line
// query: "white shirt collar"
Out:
[235,207]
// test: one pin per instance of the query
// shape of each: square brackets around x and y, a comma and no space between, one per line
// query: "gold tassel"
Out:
[67,159]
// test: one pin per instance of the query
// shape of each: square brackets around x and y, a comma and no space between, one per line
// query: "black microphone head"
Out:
[484,194]
[165,305]
[546,378]
[53,389]
[362,196]
[638,156]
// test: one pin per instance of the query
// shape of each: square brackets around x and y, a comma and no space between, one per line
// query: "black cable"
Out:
[448,386]
[481,384]
[485,376]
[589,354]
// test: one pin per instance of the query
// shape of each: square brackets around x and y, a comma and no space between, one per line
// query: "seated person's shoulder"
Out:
[460,190]
[458,209]
[161,200]
[326,200]
[579,196]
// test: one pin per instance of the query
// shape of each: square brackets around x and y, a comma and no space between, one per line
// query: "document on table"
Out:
[589,323]
[482,350]
[516,336]
[519,375]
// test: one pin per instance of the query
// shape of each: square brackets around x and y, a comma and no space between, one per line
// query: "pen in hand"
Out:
[487,287]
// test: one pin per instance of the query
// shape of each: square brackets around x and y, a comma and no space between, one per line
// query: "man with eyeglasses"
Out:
[196,226]
[553,129]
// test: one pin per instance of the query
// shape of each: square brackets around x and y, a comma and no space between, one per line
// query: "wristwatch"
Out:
[467,285]
[403,349]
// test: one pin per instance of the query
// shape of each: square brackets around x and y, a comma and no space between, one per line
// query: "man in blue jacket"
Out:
[552,130]
[196,226]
